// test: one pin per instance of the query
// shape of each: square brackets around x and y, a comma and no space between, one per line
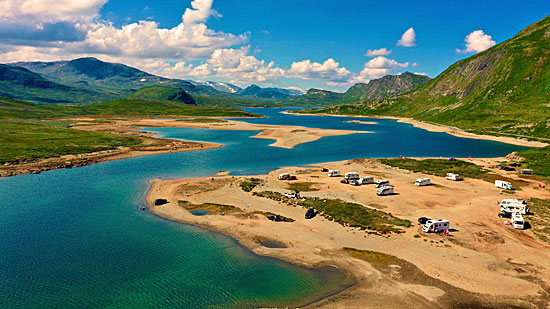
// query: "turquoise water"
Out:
[76,237]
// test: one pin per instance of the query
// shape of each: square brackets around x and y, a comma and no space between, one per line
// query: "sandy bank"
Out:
[445,129]
[515,265]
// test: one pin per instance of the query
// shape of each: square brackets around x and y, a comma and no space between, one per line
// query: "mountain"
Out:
[504,90]
[383,87]
[164,93]
[268,93]
[220,86]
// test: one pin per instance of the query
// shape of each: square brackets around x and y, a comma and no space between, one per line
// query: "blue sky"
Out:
[303,43]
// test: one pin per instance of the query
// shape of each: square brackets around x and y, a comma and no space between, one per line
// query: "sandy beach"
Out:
[444,129]
[428,270]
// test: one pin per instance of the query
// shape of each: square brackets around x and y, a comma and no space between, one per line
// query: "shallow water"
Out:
[76,237]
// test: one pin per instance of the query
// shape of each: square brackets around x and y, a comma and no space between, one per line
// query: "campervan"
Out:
[503,185]
[436,226]
[423,182]
[334,173]
[284,176]
[514,205]
[453,177]
[386,190]
[517,221]
[381,183]
[366,180]
[352,175]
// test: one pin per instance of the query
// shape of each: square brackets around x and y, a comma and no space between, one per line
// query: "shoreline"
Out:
[443,129]
[327,238]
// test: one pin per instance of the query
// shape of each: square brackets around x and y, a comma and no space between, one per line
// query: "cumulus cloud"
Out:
[328,70]
[378,52]
[477,41]
[408,38]
[50,11]
[378,67]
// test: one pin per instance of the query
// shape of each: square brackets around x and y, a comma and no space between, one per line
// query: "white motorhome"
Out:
[517,221]
[503,185]
[381,183]
[436,226]
[334,173]
[514,205]
[386,190]
[352,175]
[453,176]
[366,180]
[284,176]
[423,182]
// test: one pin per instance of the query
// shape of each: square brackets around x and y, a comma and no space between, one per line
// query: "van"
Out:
[352,175]
[423,182]
[386,190]
[517,221]
[334,173]
[453,177]
[381,183]
[436,226]
[526,172]
[284,176]
[503,185]
[366,180]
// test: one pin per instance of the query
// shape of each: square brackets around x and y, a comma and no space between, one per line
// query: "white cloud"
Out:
[328,70]
[477,41]
[421,73]
[408,38]
[415,65]
[378,52]
[50,10]
[377,68]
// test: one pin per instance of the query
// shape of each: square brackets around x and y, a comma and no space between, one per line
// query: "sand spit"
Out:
[428,270]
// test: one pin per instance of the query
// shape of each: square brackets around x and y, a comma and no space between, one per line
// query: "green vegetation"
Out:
[537,159]
[501,91]
[374,258]
[298,131]
[540,221]
[163,93]
[213,208]
[30,139]
[303,186]
[347,214]
[249,184]
[438,167]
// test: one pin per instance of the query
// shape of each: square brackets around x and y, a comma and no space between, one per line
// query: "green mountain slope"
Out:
[164,93]
[504,90]
[383,87]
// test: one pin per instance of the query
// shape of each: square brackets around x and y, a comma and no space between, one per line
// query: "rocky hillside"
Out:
[386,86]
[163,93]
[502,90]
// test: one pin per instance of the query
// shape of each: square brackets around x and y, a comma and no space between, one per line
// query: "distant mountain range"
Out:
[504,90]
[89,80]
[383,87]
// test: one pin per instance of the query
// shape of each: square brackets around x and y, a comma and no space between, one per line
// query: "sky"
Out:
[285,43]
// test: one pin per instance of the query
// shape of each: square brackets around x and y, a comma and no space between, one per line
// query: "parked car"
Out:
[505,215]
[324,170]
[509,169]
[515,164]
[423,220]
[292,177]
[344,181]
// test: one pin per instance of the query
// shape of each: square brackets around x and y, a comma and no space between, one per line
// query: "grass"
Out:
[372,257]
[537,159]
[26,140]
[540,221]
[213,208]
[438,167]
[249,184]
[303,186]
[298,130]
[347,214]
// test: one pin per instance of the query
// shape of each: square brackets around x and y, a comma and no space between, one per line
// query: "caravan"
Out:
[503,185]
[453,177]
[514,205]
[386,190]
[352,175]
[423,182]
[284,176]
[436,226]
[366,180]
[334,173]
[381,183]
